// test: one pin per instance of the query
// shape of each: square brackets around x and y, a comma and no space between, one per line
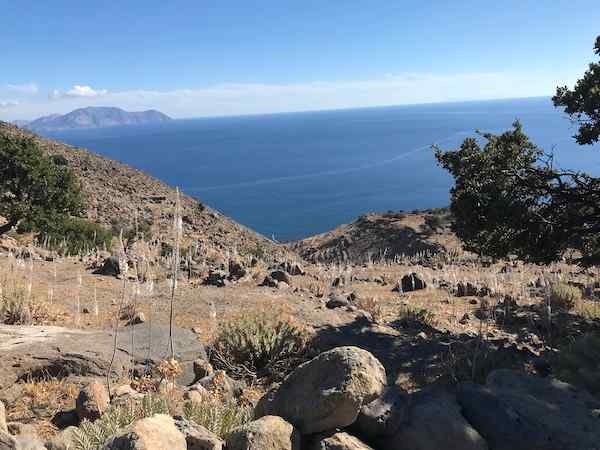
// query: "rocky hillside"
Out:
[381,236]
[115,192]
[95,117]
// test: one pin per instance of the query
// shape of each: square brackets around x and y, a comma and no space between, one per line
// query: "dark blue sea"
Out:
[296,174]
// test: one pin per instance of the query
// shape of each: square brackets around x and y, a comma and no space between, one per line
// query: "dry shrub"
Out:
[564,296]
[318,288]
[475,359]
[579,363]
[410,317]
[19,307]
[258,346]
[41,400]
[373,306]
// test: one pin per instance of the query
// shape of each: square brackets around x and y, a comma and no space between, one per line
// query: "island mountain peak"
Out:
[96,117]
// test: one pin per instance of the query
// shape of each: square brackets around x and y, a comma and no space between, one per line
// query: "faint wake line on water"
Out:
[321,174]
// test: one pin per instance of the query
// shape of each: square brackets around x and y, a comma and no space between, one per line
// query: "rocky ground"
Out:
[408,342]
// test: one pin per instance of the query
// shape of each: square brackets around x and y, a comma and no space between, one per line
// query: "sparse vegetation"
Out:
[73,236]
[19,307]
[93,435]
[564,296]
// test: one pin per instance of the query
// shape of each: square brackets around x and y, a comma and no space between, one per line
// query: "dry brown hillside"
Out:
[115,192]
[377,236]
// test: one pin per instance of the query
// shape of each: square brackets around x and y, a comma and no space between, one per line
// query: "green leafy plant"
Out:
[257,346]
[73,236]
[34,187]
[93,435]
[216,416]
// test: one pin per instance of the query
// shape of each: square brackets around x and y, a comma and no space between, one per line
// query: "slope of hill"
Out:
[95,117]
[116,192]
[380,236]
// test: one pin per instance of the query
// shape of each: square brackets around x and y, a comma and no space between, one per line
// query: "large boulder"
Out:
[37,351]
[64,440]
[3,427]
[153,433]
[266,433]
[92,401]
[516,411]
[328,391]
[383,416]
[112,266]
[412,282]
[7,442]
[281,276]
[433,421]
[27,442]
[197,437]
[216,278]
[337,441]
[220,384]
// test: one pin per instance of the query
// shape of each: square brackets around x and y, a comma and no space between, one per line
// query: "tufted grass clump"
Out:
[216,416]
[564,296]
[578,363]
[259,346]
[93,435]
[410,317]
[19,307]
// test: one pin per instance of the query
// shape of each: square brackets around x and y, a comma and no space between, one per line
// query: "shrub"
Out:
[414,318]
[258,346]
[33,187]
[578,363]
[73,236]
[93,435]
[19,307]
[217,417]
[564,296]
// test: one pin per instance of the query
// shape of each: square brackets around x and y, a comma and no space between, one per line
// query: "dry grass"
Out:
[41,400]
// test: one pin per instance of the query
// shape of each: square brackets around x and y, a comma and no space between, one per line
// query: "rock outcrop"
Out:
[266,433]
[328,391]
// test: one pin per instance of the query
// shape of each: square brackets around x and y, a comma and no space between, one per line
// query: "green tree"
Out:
[582,103]
[509,198]
[34,188]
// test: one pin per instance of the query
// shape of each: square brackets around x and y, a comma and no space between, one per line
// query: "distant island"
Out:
[93,117]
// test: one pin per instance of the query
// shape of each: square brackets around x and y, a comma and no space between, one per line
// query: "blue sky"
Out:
[206,58]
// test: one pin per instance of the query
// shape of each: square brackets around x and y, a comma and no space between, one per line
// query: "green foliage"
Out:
[258,346]
[509,199]
[72,235]
[132,231]
[33,187]
[578,363]
[93,435]
[583,102]
[564,296]
[216,416]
